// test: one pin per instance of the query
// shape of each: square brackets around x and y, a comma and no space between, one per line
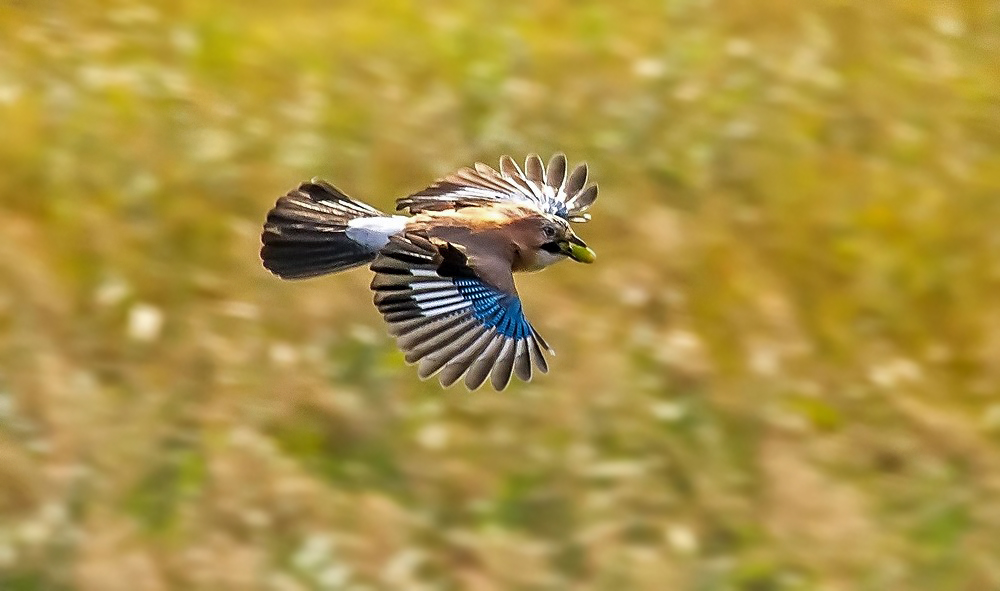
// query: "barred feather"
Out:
[304,234]
[549,190]
[454,326]
[455,319]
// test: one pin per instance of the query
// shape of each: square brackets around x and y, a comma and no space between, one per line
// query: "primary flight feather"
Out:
[444,276]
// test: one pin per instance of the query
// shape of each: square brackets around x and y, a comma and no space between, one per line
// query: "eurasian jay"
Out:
[444,276]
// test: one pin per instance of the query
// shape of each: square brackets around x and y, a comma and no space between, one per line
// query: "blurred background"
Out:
[783,372]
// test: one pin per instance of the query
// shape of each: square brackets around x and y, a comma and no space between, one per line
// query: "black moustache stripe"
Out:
[552,247]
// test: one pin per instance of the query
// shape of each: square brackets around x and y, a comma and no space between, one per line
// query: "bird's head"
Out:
[545,239]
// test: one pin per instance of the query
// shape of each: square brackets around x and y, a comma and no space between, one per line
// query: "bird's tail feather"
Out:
[305,233]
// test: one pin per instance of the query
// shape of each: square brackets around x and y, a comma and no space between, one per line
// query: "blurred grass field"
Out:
[783,373]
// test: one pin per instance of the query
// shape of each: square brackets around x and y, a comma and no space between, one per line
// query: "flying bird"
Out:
[444,275]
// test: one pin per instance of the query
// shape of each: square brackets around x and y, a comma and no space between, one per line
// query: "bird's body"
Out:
[444,276]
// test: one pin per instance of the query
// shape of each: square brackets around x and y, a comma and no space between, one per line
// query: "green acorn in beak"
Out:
[577,250]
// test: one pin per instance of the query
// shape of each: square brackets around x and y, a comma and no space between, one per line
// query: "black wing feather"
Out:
[449,320]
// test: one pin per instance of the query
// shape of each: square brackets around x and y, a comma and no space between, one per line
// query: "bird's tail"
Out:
[306,232]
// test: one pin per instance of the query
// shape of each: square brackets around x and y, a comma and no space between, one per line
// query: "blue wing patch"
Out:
[494,308]
[455,325]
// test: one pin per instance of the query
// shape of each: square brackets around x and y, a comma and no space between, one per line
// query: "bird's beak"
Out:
[577,250]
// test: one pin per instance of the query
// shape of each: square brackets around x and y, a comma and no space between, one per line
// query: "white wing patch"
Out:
[453,326]
[546,188]
[374,233]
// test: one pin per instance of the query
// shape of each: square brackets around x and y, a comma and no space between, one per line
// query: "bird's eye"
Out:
[549,231]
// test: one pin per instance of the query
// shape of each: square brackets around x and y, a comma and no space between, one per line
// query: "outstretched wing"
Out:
[450,319]
[548,189]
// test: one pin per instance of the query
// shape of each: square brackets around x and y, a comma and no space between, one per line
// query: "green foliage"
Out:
[781,374]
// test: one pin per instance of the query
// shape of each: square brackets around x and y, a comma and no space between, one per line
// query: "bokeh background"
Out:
[783,373]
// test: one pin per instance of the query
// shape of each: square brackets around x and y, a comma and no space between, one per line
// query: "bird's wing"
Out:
[453,318]
[549,189]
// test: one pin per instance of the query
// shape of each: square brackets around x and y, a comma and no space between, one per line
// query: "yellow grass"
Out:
[783,373]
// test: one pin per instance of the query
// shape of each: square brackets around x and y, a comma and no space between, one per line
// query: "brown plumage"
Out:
[444,277]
